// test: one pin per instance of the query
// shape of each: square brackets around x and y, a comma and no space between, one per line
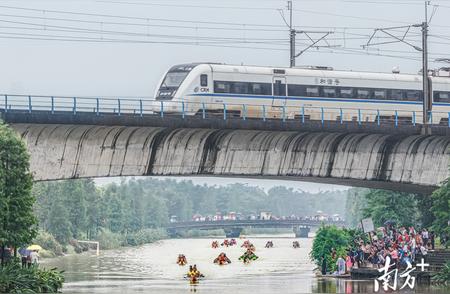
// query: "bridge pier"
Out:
[233,232]
[173,233]
[302,231]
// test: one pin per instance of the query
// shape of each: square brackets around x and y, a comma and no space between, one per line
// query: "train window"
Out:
[413,95]
[329,92]
[363,94]
[221,87]
[296,90]
[442,97]
[379,94]
[346,93]
[204,80]
[312,91]
[395,94]
[239,88]
[260,89]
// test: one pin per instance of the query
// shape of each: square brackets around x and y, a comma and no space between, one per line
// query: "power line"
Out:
[137,17]
[188,6]
[242,28]
[129,33]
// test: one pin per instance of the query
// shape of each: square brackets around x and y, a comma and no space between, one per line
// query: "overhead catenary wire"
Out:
[137,17]
[78,33]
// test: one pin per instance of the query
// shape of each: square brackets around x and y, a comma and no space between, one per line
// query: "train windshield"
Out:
[174,79]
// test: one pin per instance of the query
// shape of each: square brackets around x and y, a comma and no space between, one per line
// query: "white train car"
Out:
[314,93]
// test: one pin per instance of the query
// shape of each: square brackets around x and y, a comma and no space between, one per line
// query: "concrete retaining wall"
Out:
[73,151]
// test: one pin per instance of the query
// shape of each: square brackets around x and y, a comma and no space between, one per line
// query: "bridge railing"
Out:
[222,111]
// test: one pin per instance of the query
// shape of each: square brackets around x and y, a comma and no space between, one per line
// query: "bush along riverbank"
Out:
[17,279]
[330,243]
[443,276]
[107,240]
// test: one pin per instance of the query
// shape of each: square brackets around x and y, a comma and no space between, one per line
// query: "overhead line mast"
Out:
[291,36]
[427,99]
[293,33]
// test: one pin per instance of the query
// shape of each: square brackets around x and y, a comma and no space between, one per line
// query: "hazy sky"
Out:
[119,61]
[122,47]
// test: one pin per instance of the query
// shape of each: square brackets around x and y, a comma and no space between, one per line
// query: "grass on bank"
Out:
[15,279]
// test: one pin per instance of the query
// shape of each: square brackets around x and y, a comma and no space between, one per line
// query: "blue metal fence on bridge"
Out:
[147,107]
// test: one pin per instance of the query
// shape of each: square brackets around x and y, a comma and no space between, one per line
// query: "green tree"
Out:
[395,206]
[441,209]
[75,203]
[327,238]
[356,203]
[58,221]
[18,223]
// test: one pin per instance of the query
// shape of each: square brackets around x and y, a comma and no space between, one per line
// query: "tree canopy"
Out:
[441,209]
[16,201]
[79,209]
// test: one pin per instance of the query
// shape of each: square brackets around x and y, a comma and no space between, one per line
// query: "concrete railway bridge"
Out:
[80,144]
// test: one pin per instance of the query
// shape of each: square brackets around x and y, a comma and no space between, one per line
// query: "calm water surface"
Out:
[152,269]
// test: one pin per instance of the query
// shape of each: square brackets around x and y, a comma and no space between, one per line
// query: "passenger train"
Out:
[274,92]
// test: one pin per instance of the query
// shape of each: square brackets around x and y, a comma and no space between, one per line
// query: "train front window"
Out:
[174,79]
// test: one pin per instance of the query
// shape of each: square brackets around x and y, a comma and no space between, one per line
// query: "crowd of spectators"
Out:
[402,245]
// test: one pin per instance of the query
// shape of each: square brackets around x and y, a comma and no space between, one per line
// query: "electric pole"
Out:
[426,86]
[292,34]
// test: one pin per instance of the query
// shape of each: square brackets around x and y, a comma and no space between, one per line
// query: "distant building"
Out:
[265,215]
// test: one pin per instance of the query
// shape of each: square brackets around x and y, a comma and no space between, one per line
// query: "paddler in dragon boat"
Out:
[245,244]
[194,274]
[248,256]
[269,244]
[222,259]
[181,260]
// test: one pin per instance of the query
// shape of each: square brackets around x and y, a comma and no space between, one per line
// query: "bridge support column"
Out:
[173,233]
[302,231]
[233,232]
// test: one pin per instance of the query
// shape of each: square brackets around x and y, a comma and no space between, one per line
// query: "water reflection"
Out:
[364,286]
[152,269]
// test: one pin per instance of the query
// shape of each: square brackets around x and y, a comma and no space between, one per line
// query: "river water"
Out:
[152,268]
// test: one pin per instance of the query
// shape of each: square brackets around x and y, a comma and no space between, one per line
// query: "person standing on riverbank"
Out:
[34,257]
[348,263]
[340,266]
[324,265]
